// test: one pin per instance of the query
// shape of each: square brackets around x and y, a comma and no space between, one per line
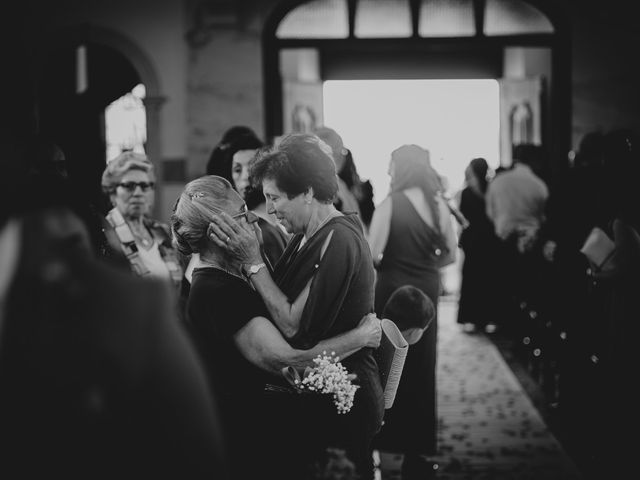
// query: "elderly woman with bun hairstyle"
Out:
[129,181]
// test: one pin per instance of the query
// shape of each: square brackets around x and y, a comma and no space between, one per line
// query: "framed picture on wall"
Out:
[302,106]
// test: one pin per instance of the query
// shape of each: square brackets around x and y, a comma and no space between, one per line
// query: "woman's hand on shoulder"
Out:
[371,329]
[237,240]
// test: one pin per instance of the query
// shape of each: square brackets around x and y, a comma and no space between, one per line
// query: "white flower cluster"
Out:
[330,376]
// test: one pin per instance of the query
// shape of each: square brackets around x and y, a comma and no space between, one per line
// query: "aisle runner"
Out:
[488,427]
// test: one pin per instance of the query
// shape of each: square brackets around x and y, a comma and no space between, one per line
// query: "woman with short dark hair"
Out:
[324,282]
[300,161]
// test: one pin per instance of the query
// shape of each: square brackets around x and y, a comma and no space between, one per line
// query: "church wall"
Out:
[208,59]
[605,70]
[156,27]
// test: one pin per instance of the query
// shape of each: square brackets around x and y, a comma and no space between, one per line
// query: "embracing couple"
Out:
[249,322]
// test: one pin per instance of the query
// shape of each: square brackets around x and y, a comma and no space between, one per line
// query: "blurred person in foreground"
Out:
[243,350]
[324,283]
[97,380]
[618,330]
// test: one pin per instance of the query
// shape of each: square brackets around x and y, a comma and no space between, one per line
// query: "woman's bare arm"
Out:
[379,230]
[261,343]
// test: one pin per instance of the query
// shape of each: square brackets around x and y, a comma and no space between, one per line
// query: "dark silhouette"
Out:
[97,378]
[478,241]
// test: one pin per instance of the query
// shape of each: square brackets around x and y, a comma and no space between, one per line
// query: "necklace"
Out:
[144,240]
[305,238]
[204,263]
[321,224]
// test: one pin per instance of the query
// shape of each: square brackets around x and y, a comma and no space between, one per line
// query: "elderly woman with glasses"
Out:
[129,182]
[243,350]
[324,282]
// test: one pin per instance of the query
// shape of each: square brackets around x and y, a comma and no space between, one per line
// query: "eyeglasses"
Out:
[249,216]
[131,186]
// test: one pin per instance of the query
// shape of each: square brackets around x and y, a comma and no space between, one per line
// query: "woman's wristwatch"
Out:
[250,270]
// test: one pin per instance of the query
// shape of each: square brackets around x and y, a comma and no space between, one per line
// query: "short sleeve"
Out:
[221,308]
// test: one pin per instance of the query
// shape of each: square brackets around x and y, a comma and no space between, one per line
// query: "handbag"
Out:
[599,249]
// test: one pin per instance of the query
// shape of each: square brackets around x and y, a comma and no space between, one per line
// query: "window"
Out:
[383,19]
[446,18]
[323,19]
[514,17]
[316,19]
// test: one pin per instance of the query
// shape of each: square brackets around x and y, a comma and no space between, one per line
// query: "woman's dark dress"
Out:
[409,259]
[219,305]
[341,294]
[480,246]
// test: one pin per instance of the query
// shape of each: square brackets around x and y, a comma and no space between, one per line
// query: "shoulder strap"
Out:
[127,242]
[168,254]
[326,243]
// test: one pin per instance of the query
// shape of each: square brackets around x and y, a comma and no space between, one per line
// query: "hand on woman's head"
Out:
[238,239]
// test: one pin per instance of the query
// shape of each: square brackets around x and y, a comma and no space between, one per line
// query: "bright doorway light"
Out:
[456,120]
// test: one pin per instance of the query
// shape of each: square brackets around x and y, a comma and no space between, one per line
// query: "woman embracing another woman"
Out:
[324,282]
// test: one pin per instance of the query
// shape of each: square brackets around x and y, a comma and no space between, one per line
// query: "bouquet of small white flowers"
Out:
[327,376]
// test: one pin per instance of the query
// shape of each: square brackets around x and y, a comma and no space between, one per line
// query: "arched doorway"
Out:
[307,42]
[79,75]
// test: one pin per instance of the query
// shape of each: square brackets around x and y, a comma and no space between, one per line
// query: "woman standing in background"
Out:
[411,235]
[479,243]
[129,181]
[242,152]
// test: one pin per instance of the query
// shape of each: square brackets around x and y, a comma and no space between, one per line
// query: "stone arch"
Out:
[139,61]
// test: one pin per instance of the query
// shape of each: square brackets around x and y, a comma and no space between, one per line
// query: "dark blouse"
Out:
[342,289]
[341,294]
[480,229]
[342,285]
[219,305]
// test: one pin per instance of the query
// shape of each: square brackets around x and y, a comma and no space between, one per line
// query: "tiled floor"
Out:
[488,426]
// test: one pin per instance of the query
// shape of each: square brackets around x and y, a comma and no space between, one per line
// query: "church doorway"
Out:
[522,45]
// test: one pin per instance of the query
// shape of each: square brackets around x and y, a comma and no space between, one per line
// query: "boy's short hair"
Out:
[409,307]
